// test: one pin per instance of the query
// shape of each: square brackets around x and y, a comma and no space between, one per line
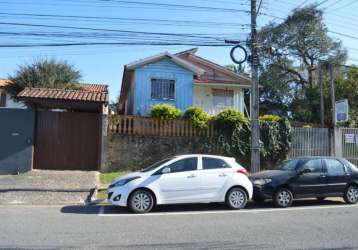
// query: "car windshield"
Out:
[288,165]
[155,165]
[350,164]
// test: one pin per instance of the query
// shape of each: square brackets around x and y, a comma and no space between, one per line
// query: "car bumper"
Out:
[117,196]
[263,192]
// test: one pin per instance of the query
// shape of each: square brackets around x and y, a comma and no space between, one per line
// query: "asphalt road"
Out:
[307,225]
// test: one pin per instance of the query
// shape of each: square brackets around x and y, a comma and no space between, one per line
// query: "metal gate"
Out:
[350,144]
[310,142]
[16,140]
[67,140]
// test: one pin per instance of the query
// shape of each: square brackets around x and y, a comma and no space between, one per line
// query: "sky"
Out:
[193,22]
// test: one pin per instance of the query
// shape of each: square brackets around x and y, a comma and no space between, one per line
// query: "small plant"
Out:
[270,118]
[165,111]
[228,118]
[198,117]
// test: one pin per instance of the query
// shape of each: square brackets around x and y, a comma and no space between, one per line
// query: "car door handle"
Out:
[222,175]
[323,176]
[191,176]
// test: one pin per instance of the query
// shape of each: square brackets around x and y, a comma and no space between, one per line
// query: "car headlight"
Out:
[261,182]
[123,182]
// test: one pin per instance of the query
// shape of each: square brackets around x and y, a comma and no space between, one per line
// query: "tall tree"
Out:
[290,55]
[47,73]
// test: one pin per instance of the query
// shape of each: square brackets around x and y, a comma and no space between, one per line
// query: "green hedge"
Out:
[235,136]
[198,117]
[165,111]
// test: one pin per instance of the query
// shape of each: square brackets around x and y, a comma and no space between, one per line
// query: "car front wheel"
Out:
[351,195]
[236,198]
[141,201]
[283,198]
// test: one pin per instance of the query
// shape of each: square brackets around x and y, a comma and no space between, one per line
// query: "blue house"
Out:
[183,80]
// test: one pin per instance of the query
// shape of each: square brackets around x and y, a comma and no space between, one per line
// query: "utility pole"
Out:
[255,130]
[333,95]
[321,93]
[333,101]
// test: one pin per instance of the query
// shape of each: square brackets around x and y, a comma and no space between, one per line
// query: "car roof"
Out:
[204,155]
[315,157]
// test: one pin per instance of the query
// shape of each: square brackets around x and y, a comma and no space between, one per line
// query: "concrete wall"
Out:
[16,140]
[164,69]
[133,152]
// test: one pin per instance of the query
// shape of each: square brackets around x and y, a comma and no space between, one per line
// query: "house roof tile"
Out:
[4,82]
[88,93]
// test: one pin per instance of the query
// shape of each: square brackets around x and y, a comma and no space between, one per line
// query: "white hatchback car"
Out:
[183,179]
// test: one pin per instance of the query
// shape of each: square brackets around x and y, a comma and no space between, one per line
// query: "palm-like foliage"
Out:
[47,73]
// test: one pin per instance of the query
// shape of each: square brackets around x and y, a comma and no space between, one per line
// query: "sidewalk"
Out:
[47,187]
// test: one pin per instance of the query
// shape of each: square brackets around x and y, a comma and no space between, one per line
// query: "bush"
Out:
[275,136]
[269,118]
[198,117]
[165,111]
[229,118]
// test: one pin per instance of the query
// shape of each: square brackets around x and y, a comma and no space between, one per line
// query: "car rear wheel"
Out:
[236,198]
[351,195]
[283,198]
[141,201]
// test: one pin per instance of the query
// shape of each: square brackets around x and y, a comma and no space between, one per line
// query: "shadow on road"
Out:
[109,209]
[80,209]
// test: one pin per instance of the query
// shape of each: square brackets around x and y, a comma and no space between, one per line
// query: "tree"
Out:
[47,73]
[290,55]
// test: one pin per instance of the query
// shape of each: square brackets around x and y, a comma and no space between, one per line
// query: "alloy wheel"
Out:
[141,201]
[236,198]
[283,198]
[352,194]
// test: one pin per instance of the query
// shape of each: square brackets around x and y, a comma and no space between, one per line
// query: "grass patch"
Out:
[107,178]
[102,194]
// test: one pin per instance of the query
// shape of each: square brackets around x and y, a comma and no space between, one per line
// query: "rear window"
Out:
[214,163]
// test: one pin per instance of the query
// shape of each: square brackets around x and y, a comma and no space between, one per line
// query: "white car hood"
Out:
[134,174]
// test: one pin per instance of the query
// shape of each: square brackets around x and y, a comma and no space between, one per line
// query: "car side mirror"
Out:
[166,170]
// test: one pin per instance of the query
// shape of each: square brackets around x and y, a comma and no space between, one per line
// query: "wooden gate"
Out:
[67,141]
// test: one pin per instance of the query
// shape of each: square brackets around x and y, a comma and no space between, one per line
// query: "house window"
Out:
[223,98]
[163,89]
[3,100]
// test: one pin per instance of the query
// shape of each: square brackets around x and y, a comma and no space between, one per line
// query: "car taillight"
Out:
[242,171]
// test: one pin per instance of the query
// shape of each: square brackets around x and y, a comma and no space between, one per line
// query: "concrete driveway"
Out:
[47,187]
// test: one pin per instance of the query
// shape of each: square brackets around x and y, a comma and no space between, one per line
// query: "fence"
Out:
[134,125]
[350,144]
[310,142]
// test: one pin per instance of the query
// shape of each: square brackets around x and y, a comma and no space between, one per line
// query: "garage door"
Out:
[67,141]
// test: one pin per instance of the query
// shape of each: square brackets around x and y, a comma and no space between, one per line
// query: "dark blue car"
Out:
[310,177]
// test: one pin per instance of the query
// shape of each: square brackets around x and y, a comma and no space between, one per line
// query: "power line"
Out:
[111,30]
[196,7]
[125,19]
[109,43]
[302,4]
[139,4]
[344,6]
[320,3]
